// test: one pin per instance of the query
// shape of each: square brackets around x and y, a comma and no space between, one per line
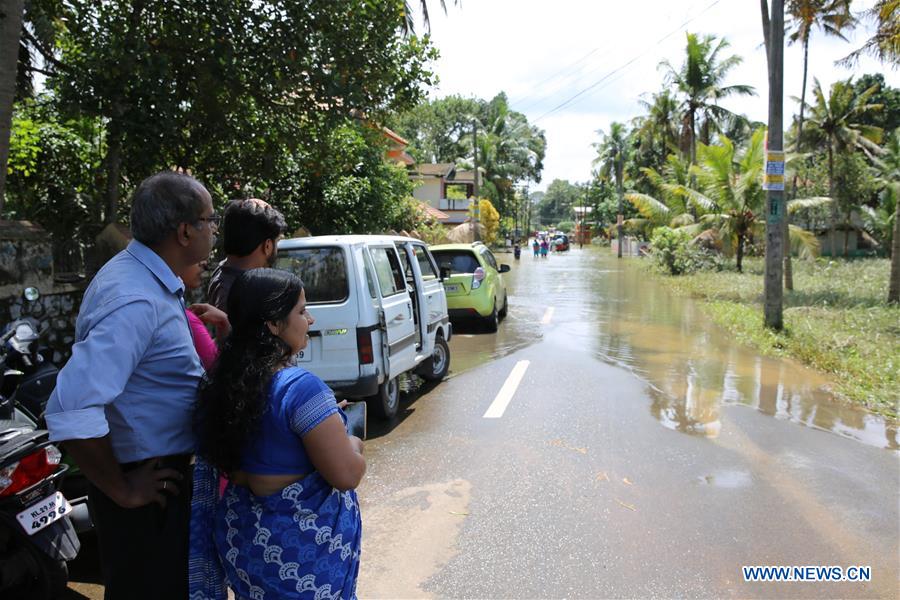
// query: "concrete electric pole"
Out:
[773,178]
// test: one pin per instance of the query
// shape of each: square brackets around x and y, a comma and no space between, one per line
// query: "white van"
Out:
[380,311]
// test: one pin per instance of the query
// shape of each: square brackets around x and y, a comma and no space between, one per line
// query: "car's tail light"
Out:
[477,278]
[29,470]
[364,346]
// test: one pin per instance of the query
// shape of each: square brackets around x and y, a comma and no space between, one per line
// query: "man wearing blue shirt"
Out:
[123,403]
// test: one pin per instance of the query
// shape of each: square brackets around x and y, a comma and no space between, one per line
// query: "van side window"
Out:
[370,277]
[426,265]
[323,271]
[388,271]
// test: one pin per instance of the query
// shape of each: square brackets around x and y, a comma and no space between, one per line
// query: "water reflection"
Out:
[694,367]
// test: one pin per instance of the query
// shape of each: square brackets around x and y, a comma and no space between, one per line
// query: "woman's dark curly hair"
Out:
[232,397]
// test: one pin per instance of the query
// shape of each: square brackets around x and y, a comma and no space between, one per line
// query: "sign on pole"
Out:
[773,179]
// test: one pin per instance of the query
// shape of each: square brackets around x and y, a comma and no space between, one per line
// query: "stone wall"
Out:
[26,260]
[57,307]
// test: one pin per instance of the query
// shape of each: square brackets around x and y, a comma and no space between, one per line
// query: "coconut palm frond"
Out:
[682,220]
[648,206]
[804,242]
[813,202]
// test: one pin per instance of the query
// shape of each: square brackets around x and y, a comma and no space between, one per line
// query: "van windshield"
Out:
[459,261]
[323,271]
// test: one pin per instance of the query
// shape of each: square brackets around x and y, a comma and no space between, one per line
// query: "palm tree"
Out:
[700,80]
[832,17]
[887,166]
[10,30]
[885,44]
[657,128]
[409,26]
[674,205]
[612,151]
[731,186]
[509,149]
[833,122]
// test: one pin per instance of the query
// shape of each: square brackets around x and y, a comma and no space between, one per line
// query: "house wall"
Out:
[428,191]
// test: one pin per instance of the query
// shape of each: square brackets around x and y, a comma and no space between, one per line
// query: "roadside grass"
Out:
[836,320]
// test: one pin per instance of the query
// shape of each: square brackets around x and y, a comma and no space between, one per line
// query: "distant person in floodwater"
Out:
[536,246]
[545,247]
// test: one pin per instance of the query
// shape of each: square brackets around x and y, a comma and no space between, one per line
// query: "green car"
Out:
[472,281]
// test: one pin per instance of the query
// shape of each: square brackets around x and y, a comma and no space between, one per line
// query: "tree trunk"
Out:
[620,218]
[834,209]
[788,267]
[894,288]
[740,253]
[10,32]
[113,165]
[847,237]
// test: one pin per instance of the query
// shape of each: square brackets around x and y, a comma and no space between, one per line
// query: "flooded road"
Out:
[609,442]
[692,367]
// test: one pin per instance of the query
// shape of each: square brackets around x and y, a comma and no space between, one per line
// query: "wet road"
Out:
[643,454]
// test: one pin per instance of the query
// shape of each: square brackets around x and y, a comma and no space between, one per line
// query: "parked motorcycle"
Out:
[36,534]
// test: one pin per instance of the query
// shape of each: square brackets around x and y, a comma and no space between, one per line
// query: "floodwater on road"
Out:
[624,316]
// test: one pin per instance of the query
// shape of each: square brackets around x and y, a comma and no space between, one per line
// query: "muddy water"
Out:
[615,311]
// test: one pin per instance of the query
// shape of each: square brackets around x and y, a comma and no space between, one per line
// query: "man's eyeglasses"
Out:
[213,219]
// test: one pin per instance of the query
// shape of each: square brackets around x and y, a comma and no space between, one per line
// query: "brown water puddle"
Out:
[693,367]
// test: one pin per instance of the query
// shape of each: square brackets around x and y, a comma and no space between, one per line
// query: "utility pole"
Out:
[773,179]
[476,232]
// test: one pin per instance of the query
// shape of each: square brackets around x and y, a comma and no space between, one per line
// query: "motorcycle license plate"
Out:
[44,512]
[451,288]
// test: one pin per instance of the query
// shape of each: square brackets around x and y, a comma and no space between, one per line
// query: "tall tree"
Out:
[612,152]
[887,167]
[885,43]
[833,17]
[834,121]
[232,88]
[701,81]
[10,28]
[656,130]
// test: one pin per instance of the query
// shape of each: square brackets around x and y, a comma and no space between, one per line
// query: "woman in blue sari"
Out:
[287,524]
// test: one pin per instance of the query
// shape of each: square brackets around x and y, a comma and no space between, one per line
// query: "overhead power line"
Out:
[539,94]
[630,62]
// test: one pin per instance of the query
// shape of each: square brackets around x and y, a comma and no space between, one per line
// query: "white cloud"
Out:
[543,53]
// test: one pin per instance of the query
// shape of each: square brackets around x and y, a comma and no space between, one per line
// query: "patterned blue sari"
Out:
[301,542]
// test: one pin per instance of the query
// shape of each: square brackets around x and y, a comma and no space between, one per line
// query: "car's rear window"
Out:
[458,261]
[323,271]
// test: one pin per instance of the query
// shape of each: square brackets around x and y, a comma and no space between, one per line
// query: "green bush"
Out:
[566,226]
[674,253]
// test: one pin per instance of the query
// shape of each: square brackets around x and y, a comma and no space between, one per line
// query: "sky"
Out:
[543,53]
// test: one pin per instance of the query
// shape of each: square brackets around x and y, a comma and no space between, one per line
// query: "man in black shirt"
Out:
[251,230]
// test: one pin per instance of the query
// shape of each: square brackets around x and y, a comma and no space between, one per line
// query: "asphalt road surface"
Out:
[607,442]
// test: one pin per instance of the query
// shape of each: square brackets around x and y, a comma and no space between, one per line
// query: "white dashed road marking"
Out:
[498,406]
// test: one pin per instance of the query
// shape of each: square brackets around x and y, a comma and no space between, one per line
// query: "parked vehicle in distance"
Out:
[380,311]
[473,281]
[560,243]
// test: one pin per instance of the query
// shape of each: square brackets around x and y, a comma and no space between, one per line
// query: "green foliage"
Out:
[566,226]
[509,148]
[51,174]
[888,97]
[836,321]
[675,254]
[557,202]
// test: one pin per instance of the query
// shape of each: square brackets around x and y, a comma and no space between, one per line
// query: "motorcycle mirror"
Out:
[31,294]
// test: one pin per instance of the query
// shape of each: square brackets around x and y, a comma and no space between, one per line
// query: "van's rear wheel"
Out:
[435,368]
[386,403]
